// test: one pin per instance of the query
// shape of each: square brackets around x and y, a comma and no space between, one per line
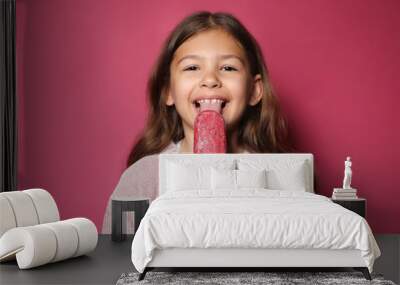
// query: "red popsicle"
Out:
[209,128]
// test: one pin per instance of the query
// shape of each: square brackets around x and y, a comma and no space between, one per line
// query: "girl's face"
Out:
[208,65]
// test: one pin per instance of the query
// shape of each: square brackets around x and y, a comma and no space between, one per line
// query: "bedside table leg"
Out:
[116,228]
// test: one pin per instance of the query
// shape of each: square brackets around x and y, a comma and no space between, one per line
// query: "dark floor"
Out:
[102,266]
[111,259]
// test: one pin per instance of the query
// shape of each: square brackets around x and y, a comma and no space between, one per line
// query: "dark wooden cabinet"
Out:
[356,205]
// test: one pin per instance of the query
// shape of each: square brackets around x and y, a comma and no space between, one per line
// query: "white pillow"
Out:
[236,179]
[223,179]
[251,178]
[182,177]
[289,179]
[281,174]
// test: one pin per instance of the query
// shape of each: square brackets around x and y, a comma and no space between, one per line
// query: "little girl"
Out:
[207,56]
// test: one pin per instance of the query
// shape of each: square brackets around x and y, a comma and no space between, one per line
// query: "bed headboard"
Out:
[235,158]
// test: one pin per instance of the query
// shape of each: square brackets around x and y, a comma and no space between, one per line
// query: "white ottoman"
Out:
[31,232]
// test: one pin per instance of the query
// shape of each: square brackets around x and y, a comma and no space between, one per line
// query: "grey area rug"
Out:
[269,278]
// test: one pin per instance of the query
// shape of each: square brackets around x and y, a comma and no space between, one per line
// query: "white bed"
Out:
[250,210]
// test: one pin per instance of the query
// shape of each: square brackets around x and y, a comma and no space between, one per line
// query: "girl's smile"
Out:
[211,65]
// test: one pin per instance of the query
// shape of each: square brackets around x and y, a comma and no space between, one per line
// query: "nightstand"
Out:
[124,204]
[358,205]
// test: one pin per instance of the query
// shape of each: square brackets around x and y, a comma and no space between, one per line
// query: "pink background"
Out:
[83,66]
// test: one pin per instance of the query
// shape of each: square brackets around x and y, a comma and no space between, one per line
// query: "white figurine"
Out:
[347,174]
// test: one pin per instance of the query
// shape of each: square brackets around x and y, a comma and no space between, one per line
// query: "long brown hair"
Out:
[262,128]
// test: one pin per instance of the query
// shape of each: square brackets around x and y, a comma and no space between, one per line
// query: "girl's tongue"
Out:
[212,104]
[209,128]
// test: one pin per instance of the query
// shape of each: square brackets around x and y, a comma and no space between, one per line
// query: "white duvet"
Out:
[251,218]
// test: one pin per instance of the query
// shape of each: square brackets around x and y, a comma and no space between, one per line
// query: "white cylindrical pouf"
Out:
[34,246]
[7,218]
[45,205]
[87,233]
[67,240]
[23,208]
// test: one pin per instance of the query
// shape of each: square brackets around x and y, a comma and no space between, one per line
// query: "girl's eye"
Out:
[191,68]
[229,68]
[225,68]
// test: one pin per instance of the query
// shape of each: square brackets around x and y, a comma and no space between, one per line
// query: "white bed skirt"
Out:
[193,257]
